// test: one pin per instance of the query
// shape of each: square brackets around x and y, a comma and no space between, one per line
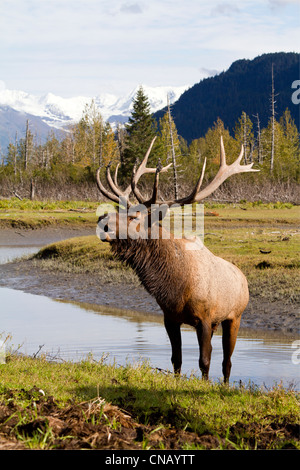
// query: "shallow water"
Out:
[72,331]
[10,252]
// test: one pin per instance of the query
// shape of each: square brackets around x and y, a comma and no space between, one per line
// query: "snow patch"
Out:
[59,112]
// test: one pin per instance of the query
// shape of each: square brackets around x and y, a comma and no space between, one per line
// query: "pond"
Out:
[72,331]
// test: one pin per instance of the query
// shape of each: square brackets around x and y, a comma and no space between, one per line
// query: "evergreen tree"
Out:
[140,129]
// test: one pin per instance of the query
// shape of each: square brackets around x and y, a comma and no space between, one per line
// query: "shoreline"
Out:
[28,276]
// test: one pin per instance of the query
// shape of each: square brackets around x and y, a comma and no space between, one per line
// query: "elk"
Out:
[190,284]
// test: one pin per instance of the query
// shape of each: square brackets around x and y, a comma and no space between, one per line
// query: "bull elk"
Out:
[190,284]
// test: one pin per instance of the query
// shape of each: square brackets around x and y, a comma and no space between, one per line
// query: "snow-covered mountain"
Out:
[51,111]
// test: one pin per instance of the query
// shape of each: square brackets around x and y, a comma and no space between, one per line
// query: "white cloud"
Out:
[76,46]
[131,8]
[227,9]
[284,2]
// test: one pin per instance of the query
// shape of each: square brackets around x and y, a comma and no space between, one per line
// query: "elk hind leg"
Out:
[174,333]
[229,335]
[204,334]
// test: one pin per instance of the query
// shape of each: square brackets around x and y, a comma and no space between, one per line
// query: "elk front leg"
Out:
[173,330]
[204,334]
[229,335]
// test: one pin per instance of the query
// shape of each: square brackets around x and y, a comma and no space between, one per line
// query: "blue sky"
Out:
[88,47]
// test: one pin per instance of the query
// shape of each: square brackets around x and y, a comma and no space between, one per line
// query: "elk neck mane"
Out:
[153,260]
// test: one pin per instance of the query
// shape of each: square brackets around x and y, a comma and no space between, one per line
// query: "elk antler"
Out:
[116,192]
[103,190]
[224,172]
[141,170]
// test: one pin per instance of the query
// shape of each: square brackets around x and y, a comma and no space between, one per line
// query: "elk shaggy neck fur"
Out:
[152,261]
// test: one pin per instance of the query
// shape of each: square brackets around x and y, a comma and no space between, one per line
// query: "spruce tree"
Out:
[140,129]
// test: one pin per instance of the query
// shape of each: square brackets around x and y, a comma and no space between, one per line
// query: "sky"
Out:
[91,47]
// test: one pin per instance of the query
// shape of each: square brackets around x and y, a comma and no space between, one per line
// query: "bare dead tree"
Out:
[32,189]
[27,145]
[175,178]
[259,143]
[272,122]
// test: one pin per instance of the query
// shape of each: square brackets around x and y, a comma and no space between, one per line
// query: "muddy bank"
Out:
[29,276]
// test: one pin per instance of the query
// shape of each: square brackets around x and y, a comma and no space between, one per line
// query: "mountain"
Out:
[51,112]
[13,125]
[245,86]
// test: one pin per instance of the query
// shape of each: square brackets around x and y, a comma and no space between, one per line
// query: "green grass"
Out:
[35,214]
[268,256]
[244,417]
[38,214]
[29,205]
[84,255]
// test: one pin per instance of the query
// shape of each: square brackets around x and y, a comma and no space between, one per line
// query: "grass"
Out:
[208,415]
[83,255]
[35,214]
[268,256]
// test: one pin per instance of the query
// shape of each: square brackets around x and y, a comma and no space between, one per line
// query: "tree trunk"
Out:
[32,189]
[173,153]
[272,123]
[259,145]
[26,156]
